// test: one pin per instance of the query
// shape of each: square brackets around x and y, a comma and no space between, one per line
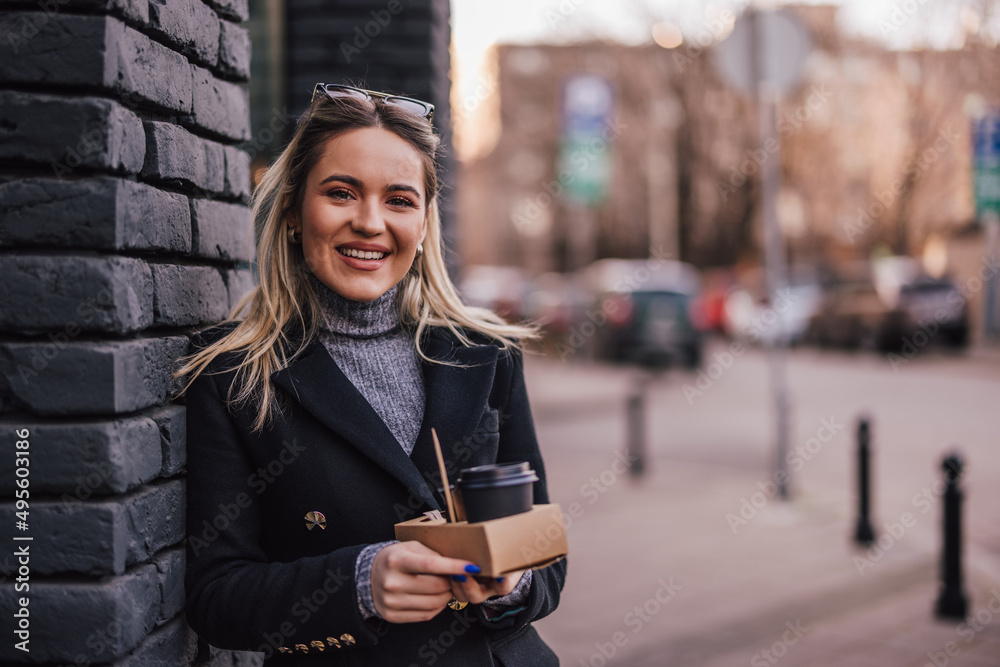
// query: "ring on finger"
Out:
[456,605]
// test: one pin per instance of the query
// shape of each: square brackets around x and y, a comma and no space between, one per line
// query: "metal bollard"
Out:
[635,418]
[952,602]
[863,532]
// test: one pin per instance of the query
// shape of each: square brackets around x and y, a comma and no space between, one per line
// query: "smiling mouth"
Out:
[361,254]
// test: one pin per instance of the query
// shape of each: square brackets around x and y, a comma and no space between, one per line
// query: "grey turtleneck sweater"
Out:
[377,354]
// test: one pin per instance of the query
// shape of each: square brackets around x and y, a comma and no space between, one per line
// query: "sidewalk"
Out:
[699,564]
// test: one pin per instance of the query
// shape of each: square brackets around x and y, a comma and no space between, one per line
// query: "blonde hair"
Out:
[284,301]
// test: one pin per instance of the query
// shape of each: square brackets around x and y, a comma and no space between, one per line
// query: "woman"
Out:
[309,419]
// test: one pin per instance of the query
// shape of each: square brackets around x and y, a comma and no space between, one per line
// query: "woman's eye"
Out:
[401,201]
[339,194]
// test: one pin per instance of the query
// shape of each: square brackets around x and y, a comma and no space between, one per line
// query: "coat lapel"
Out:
[455,401]
[457,397]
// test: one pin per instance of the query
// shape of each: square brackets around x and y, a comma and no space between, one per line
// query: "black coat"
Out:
[257,578]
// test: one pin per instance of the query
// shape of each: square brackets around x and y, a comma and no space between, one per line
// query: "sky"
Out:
[477,24]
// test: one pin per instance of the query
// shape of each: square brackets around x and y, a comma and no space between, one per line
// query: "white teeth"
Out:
[361,254]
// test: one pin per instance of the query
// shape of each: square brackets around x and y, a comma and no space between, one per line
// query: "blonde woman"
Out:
[309,418]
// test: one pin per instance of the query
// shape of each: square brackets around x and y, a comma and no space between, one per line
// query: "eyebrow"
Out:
[351,180]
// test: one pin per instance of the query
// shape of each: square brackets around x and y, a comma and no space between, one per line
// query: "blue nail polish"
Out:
[499,580]
[472,569]
[458,577]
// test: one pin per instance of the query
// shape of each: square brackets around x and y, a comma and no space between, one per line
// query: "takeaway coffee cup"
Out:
[496,490]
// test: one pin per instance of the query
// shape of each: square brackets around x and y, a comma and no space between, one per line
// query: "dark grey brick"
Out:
[170,566]
[122,376]
[237,10]
[133,10]
[146,70]
[87,458]
[106,536]
[237,173]
[239,282]
[75,537]
[95,51]
[152,219]
[171,420]
[175,155]
[86,622]
[221,230]
[188,295]
[170,645]
[219,106]
[75,294]
[234,51]
[190,25]
[100,213]
[27,51]
[69,133]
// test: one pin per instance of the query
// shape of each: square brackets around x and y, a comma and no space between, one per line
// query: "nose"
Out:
[369,220]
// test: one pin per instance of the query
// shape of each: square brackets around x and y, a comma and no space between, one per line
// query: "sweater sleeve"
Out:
[510,603]
[363,578]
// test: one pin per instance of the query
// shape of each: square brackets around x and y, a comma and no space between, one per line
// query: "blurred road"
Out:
[697,563]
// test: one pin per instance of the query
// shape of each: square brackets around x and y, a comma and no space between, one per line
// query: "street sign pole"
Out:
[763,56]
[774,246]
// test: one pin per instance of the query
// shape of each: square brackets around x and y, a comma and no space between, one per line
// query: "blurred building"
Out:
[875,154]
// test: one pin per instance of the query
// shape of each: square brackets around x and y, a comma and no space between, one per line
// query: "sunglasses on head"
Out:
[416,107]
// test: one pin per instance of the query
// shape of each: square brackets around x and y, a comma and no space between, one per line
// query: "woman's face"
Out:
[363,213]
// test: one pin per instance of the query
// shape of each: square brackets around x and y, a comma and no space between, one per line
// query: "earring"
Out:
[420,249]
[294,235]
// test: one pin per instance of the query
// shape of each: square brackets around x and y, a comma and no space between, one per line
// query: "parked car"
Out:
[497,288]
[642,312]
[556,302]
[787,320]
[931,305]
[851,315]
[885,314]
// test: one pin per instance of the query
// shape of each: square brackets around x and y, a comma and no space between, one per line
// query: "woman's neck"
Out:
[356,319]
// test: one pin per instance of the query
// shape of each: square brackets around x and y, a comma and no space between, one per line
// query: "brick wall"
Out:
[122,228]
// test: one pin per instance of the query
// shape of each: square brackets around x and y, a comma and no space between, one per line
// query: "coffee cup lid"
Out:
[500,474]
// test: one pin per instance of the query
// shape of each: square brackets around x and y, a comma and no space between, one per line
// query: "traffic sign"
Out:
[986,163]
[784,44]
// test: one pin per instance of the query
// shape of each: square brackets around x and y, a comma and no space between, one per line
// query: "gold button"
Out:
[284,649]
[302,647]
[318,644]
[332,641]
[347,639]
[314,519]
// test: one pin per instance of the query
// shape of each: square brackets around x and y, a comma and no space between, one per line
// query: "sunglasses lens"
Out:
[340,91]
[413,106]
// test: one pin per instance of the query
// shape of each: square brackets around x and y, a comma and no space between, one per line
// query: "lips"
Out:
[361,254]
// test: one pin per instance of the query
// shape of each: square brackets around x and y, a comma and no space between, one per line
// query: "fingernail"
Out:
[499,580]
[458,577]
[472,569]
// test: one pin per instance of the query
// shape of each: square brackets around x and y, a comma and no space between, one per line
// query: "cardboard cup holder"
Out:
[529,540]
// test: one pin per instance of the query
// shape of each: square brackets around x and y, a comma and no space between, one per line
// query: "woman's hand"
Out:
[478,589]
[412,582]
